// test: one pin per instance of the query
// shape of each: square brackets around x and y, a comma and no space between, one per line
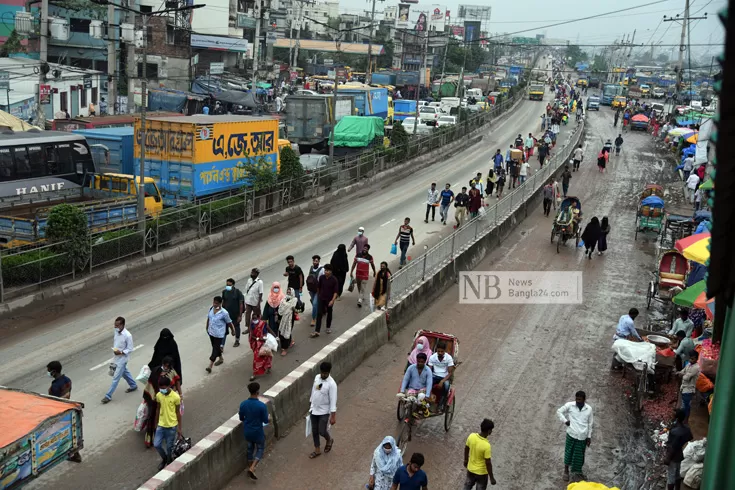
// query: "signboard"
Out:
[403,13]
[479,13]
[4,80]
[45,93]
[216,68]
[195,59]
[472,31]
[341,73]
[525,40]
[245,21]
[219,43]
[87,82]
[271,37]
[457,31]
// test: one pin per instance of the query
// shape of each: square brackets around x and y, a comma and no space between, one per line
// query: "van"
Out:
[593,103]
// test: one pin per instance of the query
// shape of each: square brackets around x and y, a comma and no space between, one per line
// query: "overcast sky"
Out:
[518,15]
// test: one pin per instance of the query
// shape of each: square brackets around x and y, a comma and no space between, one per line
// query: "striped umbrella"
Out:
[694,247]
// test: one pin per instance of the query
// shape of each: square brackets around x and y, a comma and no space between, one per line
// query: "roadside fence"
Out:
[24,269]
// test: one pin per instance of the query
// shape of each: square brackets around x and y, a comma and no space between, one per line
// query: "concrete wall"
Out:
[212,462]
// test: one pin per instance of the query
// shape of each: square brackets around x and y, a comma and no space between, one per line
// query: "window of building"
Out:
[94,95]
[83,97]
[79,25]
[146,9]
[170,34]
[64,101]
[151,70]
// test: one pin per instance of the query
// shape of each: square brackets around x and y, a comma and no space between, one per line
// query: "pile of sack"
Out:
[692,466]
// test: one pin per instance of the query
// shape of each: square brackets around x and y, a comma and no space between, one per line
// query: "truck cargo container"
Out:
[192,157]
[407,78]
[309,119]
[369,101]
[383,78]
[404,108]
[112,148]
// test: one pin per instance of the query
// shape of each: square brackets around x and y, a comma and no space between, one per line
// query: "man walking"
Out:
[323,411]
[548,196]
[61,388]
[577,157]
[477,452]
[168,418]
[122,346]
[234,302]
[312,285]
[461,201]
[692,183]
[566,176]
[362,264]
[405,235]
[497,160]
[358,242]
[218,321]
[577,416]
[254,415]
[447,196]
[253,297]
[410,476]
[689,376]
[327,292]
[679,435]
[432,199]
[295,276]
[528,146]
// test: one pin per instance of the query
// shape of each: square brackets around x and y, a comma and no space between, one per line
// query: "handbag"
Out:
[141,417]
[112,369]
[271,342]
[182,445]
[394,247]
[351,286]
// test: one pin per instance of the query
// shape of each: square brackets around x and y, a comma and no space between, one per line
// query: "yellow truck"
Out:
[536,91]
[619,102]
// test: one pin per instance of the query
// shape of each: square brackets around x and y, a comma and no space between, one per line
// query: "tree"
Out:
[398,137]
[385,60]
[291,168]
[575,54]
[66,227]
[662,58]
[12,45]
[599,65]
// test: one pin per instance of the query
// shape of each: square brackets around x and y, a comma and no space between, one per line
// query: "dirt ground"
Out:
[518,363]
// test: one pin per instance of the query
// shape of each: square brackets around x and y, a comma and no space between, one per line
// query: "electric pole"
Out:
[369,71]
[112,59]
[338,45]
[630,52]
[682,43]
[41,115]
[418,82]
[256,46]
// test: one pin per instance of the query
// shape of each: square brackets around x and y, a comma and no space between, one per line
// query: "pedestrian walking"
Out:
[602,161]
[323,410]
[492,178]
[60,388]
[405,235]
[578,418]
[528,146]
[513,171]
[691,185]
[270,310]
[688,387]
[381,287]
[577,157]
[566,176]
[500,184]
[327,293]
[166,346]
[497,160]
[234,302]
[461,203]
[253,296]
[295,279]
[341,266]
[679,435]
[477,453]
[523,172]
[432,201]
[688,166]
[447,197]
[387,458]
[122,346]
[543,152]
[602,240]
[359,241]
[590,236]
[287,313]
[165,369]
[253,414]
[475,201]
[548,196]
[312,285]
[410,476]
[218,321]
[168,417]
[479,184]
[362,264]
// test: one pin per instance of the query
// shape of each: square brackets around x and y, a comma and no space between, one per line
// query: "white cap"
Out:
[361,229]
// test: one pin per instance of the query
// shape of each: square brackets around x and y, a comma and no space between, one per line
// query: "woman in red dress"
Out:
[262,358]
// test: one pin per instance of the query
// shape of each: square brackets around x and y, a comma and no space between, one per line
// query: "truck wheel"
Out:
[304,149]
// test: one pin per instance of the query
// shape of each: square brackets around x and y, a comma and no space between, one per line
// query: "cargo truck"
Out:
[369,101]
[192,157]
[536,91]
[404,108]
[383,78]
[407,78]
[112,148]
[38,432]
[309,119]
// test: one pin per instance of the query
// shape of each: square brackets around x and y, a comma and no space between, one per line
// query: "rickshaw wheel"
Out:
[449,415]
[558,243]
[552,236]
[403,438]
[398,411]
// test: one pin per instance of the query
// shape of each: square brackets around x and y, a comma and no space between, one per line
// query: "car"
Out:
[421,128]
[658,93]
[311,162]
[446,121]
[593,103]
[657,108]
[696,104]
[438,105]
[303,91]
[645,90]
[429,115]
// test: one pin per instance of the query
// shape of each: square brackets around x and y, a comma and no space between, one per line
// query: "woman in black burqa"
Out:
[340,266]
[166,346]
[590,236]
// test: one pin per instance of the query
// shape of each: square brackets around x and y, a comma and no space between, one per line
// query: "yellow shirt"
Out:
[169,404]
[479,452]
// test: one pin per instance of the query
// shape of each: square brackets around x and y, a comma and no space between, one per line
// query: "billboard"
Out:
[472,30]
[479,13]
[404,11]
[421,19]
[457,31]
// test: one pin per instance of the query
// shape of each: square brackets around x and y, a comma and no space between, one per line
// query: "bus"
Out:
[610,91]
[42,165]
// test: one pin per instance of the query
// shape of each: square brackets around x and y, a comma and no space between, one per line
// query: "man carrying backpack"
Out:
[312,285]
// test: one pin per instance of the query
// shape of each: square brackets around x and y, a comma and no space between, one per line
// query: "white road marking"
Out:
[388,222]
[107,362]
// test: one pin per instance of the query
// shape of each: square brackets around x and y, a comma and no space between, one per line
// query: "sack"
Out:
[351,287]
[265,351]
[141,417]
[182,445]
[693,478]
[112,369]
[312,280]
[271,342]
[308,425]
[394,247]
[145,373]
[704,384]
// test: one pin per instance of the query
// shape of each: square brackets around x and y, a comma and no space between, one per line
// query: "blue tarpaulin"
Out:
[653,201]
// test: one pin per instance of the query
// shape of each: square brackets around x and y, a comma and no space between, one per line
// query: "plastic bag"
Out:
[182,445]
[696,450]
[308,425]
[693,478]
[141,417]
[145,373]
[351,286]
[394,249]
[271,342]
[372,303]
[265,351]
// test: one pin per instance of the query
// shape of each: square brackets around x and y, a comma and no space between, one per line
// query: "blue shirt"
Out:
[253,414]
[447,196]
[407,482]
[626,328]
[417,381]
[498,159]
[218,322]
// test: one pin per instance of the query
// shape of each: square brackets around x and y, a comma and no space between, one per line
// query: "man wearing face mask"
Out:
[122,346]
[253,296]
[234,302]
[61,388]
[323,410]
[358,242]
[218,321]
[577,416]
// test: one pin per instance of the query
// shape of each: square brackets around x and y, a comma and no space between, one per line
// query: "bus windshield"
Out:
[612,90]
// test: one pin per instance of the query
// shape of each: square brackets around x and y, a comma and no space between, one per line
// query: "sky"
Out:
[520,15]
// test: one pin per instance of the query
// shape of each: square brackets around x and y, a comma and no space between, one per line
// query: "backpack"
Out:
[312,280]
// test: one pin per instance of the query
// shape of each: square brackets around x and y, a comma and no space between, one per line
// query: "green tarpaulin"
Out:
[357,131]
[707,185]
[687,297]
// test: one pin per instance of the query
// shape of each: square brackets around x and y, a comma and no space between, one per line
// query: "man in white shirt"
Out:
[688,166]
[323,411]
[442,368]
[432,200]
[523,172]
[253,297]
[683,323]
[577,157]
[122,346]
[577,416]
[692,183]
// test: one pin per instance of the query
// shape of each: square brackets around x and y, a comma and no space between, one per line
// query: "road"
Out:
[78,332]
[519,362]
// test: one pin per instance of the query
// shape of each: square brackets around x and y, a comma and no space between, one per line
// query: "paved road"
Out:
[79,332]
[519,363]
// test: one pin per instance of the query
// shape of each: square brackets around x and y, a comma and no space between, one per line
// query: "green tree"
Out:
[575,54]
[258,173]
[66,227]
[399,136]
[290,165]
[662,58]
[599,65]
[385,60]
[12,45]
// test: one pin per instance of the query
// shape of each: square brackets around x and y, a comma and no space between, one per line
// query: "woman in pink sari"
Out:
[262,357]
[420,346]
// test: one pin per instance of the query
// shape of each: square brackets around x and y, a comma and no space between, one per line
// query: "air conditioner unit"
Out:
[96,29]
[59,29]
[139,39]
[127,33]
[24,23]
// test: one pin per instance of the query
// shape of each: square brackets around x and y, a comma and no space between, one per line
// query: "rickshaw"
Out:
[650,213]
[669,279]
[410,410]
[566,225]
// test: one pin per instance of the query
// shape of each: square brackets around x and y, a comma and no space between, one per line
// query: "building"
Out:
[413,25]
[315,16]
[67,88]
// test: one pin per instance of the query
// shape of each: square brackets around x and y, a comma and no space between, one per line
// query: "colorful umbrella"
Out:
[707,185]
[694,247]
[640,118]
[693,138]
[687,297]
[681,132]
[708,305]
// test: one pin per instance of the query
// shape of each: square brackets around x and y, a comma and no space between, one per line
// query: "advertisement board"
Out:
[472,30]
[219,43]
[404,11]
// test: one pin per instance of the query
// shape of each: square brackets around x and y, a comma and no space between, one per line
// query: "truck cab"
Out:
[126,186]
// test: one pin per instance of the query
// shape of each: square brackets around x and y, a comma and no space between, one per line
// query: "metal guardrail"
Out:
[427,264]
[27,268]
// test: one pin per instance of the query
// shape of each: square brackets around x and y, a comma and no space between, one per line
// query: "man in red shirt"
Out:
[362,263]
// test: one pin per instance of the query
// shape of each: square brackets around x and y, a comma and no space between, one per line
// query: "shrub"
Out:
[291,170]
[66,226]
[113,245]
[34,266]
[226,211]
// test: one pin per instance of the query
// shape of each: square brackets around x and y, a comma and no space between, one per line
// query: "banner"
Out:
[403,13]
[472,31]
